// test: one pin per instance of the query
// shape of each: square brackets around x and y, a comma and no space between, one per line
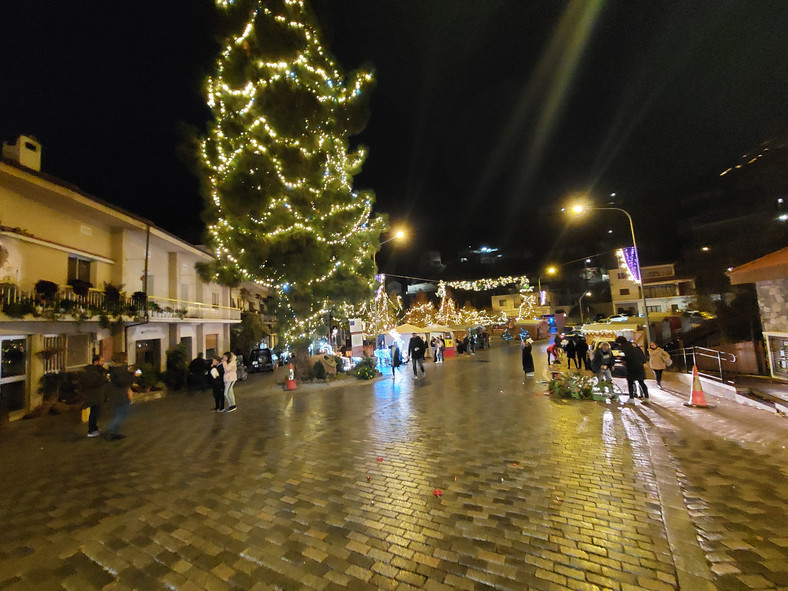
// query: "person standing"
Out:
[216,375]
[658,361]
[229,363]
[198,367]
[570,350]
[527,354]
[94,386]
[441,348]
[635,361]
[602,361]
[119,397]
[396,359]
[434,347]
[416,349]
[581,352]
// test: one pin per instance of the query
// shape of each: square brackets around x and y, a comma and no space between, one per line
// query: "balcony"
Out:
[105,307]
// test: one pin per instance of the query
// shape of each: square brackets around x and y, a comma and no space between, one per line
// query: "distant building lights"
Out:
[783,217]
[705,249]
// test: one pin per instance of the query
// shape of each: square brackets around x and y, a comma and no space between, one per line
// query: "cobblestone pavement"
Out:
[338,488]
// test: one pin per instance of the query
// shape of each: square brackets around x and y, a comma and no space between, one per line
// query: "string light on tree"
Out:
[278,165]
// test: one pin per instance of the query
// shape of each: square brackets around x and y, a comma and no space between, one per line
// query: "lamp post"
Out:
[579,209]
[398,235]
[580,304]
[548,271]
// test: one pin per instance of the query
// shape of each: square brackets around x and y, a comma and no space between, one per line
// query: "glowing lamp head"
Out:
[577,209]
[551,270]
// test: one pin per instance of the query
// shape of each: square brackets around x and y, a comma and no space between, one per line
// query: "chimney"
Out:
[26,151]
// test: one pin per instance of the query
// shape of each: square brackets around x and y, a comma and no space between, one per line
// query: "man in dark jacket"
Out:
[119,400]
[635,360]
[416,348]
[94,386]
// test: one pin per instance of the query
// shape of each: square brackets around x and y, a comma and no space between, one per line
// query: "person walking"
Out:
[94,386]
[416,349]
[602,361]
[229,363]
[635,360]
[396,359]
[119,396]
[527,355]
[569,348]
[581,352]
[658,361]
[216,376]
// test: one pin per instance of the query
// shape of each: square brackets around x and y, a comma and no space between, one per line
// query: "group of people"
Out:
[111,389]
[601,360]
[220,373]
[574,347]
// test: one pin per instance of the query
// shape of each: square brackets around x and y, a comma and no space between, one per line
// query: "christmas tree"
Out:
[282,211]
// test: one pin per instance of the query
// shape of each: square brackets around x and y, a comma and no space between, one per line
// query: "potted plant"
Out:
[80,287]
[46,290]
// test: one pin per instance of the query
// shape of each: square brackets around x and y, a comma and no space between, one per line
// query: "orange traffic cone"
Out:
[291,383]
[697,398]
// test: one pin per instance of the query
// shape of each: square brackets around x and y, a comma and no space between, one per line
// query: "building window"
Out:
[654,308]
[623,291]
[215,299]
[78,269]
[77,350]
[622,275]
[502,303]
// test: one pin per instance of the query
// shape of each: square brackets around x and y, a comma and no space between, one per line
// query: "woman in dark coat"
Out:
[528,358]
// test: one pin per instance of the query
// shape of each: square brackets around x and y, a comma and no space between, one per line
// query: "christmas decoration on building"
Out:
[628,260]
[282,210]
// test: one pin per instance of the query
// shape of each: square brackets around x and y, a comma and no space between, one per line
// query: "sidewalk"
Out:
[726,418]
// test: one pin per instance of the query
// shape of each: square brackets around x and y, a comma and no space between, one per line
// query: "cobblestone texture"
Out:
[333,488]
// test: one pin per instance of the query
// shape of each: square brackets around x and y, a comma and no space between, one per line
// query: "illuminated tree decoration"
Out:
[279,167]
[628,260]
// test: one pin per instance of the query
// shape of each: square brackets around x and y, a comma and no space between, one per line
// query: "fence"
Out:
[712,364]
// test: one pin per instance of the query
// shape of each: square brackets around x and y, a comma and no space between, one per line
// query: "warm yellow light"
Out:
[552,270]
[400,234]
[577,209]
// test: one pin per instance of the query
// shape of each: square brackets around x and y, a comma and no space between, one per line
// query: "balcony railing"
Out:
[67,305]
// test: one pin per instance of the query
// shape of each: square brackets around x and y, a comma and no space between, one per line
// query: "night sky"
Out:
[485,113]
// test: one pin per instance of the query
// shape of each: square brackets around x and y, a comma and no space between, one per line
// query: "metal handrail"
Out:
[693,353]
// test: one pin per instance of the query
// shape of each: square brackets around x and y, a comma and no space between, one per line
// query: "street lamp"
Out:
[548,271]
[580,304]
[579,209]
[398,236]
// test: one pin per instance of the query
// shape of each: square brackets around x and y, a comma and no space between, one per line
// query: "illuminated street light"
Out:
[549,271]
[580,304]
[580,209]
[399,235]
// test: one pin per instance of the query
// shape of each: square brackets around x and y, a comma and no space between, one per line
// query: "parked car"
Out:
[261,360]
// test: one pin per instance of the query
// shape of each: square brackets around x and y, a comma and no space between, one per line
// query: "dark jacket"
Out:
[94,385]
[120,381]
[528,358]
[634,359]
[396,358]
[581,348]
[416,347]
[217,383]
[600,358]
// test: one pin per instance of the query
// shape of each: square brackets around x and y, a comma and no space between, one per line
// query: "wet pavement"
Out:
[467,479]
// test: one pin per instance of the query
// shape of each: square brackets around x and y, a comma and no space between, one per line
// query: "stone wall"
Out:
[773,301]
